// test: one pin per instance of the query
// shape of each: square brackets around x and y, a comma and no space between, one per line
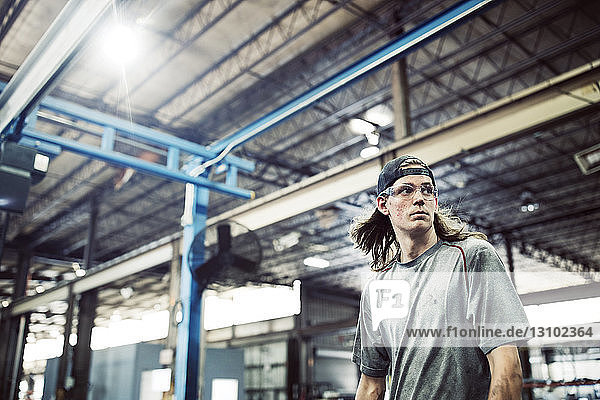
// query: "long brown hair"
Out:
[373,234]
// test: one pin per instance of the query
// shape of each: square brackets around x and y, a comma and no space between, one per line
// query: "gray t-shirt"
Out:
[429,323]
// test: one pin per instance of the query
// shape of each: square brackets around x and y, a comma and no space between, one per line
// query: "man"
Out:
[431,273]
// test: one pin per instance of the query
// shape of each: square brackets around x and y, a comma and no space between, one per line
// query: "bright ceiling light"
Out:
[360,126]
[316,262]
[126,292]
[380,114]
[369,151]
[41,162]
[40,289]
[120,44]
[531,207]
[80,272]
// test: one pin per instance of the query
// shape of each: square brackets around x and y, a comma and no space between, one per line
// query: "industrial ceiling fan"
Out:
[227,253]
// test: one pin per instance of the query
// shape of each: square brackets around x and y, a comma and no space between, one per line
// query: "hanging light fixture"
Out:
[369,151]
[361,126]
[381,115]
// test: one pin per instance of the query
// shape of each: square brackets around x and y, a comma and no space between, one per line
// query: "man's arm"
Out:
[370,388]
[506,377]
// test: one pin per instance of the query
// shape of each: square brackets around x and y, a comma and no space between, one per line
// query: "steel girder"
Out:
[506,75]
[291,24]
[299,74]
[10,10]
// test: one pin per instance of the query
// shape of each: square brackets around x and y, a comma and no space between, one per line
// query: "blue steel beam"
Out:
[137,131]
[130,161]
[52,145]
[417,36]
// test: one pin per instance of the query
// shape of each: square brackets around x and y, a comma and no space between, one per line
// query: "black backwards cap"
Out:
[393,170]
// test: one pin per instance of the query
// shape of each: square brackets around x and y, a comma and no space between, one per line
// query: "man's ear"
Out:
[382,205]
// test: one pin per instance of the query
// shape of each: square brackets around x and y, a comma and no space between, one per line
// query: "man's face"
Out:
[413,213]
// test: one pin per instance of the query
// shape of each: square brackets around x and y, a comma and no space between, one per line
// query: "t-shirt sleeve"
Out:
[368,353]
[493,303]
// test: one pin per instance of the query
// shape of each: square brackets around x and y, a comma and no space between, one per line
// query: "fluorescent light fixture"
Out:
[369,151]
[120,44]
[316,262]
[588,160]
[380,114]
[73,339]
[328,353]
[161,380]
[41,162]
[286,241]
[563,313]
[224,389]
[360,126]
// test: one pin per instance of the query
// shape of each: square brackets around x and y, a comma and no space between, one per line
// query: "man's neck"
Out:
[412,246]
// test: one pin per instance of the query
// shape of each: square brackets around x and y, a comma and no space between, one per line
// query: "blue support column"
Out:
[173,158]
[231,178]
[188,333]
[108,139]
